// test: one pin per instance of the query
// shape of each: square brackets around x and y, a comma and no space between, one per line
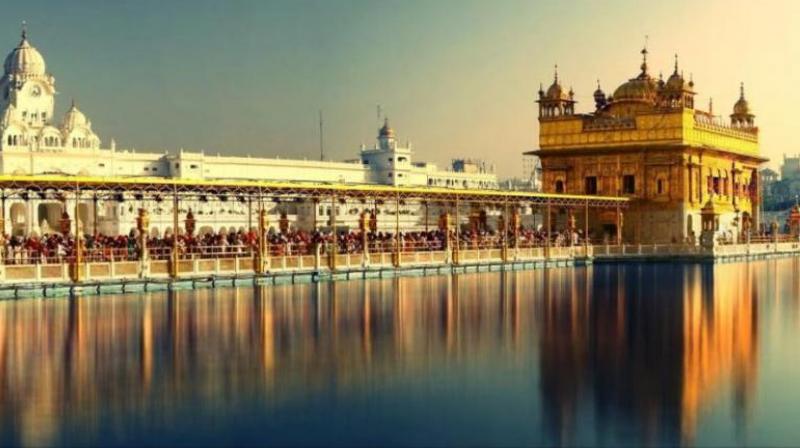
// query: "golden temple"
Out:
[648,142]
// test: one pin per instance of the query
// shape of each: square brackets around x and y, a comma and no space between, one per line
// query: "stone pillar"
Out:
[457,242]
[262,253]
[174,256]
[142,224]
[503,227]
[397,241]
[77,260]
[335,243]
[363,225]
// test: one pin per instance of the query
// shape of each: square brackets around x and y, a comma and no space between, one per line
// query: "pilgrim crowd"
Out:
[56,247]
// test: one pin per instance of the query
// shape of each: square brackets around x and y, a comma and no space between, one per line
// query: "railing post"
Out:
[142,224]
[456,246]
[335,245]
[504,249]
[262,255]
[75,274]
[547,219]
[397,242]
[173,261]
[363,225]
[586,228]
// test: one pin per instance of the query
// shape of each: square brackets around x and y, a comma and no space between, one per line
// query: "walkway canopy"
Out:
[67,187]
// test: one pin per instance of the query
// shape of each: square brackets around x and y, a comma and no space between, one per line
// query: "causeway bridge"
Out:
[460,238]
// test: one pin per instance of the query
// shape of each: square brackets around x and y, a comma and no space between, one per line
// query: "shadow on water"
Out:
[629,354]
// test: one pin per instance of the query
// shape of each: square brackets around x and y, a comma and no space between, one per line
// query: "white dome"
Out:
[24,59]
[74,118]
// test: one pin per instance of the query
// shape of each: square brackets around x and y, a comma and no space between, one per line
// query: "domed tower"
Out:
[600,100]
[556,102]
[26,85]
[741,116]
[676,92]
[637,93]
[76,130]
[386,138]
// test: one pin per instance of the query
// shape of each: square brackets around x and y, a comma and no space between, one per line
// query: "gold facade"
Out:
[648,142]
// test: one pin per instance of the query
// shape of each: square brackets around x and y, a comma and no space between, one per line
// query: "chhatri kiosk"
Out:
[649,142]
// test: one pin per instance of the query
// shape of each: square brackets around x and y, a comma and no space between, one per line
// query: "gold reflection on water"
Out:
[609,341]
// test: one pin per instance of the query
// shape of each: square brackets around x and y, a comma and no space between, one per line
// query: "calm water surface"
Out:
[609,355]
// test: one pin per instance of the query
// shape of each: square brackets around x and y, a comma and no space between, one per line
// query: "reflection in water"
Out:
[635,353]
[628,344]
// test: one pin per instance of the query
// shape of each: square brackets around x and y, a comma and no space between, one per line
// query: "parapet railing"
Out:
[121,263]
[193,262]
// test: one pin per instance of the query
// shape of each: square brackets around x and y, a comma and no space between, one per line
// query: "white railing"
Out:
[237,263]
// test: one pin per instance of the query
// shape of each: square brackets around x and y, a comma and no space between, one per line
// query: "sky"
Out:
[457,78]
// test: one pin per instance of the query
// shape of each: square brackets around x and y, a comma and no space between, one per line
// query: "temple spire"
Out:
[24,30]
[741,90]
[555,74]
[676,64]
[644,57]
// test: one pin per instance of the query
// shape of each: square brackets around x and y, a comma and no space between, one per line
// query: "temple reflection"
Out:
[623,346]
[651,345]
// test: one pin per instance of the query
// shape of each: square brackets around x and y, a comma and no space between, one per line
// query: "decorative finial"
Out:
[598,84]
[710,106]
[676,63]
[741,90]
[24,30]
[644,57]
[555,74]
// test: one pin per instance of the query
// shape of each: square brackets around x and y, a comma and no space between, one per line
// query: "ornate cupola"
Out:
[386,139]
[636,94]
[741,116]
[555,102]
[676,92]
[600,100]
[25,59]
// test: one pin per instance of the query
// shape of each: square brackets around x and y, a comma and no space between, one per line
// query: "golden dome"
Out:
[742,107]
[637,89]
[640,88]
[555,91]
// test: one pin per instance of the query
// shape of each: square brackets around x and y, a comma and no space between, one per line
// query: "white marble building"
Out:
[33,141]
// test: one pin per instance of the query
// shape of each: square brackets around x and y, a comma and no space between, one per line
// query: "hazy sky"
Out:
[456,78]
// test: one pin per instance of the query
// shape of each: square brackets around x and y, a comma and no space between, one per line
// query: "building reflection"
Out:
[607,343]
[628,345]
